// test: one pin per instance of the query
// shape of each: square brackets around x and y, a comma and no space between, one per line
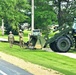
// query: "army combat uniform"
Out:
[21,38]
[11,39]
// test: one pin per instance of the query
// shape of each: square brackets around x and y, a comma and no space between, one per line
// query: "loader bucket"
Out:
[37,41]
[40,42]
[33,40]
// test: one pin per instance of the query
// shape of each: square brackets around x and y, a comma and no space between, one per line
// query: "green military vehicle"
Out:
[60,42]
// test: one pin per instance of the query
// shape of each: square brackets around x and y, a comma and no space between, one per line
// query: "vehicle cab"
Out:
[74,27]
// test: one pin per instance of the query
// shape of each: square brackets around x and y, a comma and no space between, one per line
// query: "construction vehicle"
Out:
[60,42]
[36,40]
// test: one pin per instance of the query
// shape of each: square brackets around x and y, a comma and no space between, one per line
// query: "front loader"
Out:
[62,41]
[36,40]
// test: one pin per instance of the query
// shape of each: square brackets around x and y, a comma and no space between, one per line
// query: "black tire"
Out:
[53,46]
[63,44]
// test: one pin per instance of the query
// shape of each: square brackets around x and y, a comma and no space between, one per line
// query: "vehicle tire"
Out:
[63,44]
[53,46]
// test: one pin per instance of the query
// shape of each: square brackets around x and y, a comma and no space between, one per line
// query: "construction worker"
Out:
[11,38]
[21,38]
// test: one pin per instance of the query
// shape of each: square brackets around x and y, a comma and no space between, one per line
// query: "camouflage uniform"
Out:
[11,39]
[21,38]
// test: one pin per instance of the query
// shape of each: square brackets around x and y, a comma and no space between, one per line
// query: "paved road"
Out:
[9,69]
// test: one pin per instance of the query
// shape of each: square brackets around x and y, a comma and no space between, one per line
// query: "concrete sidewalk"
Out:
[71,55]
[2,39]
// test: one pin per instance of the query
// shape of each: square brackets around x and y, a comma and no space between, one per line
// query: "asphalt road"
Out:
[9,69]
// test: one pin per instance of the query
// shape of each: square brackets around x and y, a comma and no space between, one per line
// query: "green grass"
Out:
[26,32]
[50,60]
[16,37]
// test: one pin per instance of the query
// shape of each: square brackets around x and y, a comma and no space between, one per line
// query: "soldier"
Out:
[21,38]
[11,38]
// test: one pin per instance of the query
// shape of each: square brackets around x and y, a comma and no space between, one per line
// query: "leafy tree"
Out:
[66,11]
[13,12]
[44,14]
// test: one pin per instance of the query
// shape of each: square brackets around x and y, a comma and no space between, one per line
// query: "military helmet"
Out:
[20,30]
[10,32]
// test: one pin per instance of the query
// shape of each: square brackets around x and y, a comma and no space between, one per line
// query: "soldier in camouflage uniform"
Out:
[21,38]
[11,39]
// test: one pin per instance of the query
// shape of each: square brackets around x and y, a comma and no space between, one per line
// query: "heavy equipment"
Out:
[62,41]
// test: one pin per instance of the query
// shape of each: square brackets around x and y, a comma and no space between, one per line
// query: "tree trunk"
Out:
[2,27]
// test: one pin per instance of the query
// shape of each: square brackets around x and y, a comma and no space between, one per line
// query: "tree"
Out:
[44,14]
[13,12]
[66,11]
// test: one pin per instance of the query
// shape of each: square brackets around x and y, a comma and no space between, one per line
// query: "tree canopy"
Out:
[47,12]
[66,11]
[13,12]
[44,14]
[54,12]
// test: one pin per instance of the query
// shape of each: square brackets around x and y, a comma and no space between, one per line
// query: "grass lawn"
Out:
[51,60]
[26,32]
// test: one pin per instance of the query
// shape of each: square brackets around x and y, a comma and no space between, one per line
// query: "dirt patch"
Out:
[32,68]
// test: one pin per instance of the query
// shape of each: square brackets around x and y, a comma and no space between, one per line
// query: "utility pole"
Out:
[59,13]
[32,15]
